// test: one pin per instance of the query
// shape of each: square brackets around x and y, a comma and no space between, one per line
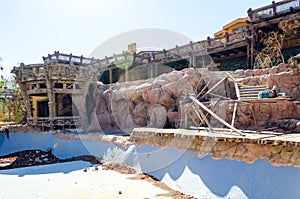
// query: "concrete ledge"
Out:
[278,149]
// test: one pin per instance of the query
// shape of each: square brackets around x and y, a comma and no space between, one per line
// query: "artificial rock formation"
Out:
[145,103]
[160,102]
[285,76]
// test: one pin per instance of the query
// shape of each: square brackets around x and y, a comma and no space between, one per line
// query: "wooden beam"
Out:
[216,116]
[215,86]
[198,95]
[226,98]
[189,114]
[200,118]
[49,93]
[204,118]
[252,50]
[234,113]
[237,90]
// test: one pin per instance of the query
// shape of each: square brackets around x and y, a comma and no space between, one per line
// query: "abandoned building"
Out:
[52,86]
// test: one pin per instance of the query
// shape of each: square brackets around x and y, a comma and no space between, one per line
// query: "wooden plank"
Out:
[263,100]
[234,113]
[189,106]
[216,116]
[50,98]
[204,118]
[226,98]
[231,77]
[237,91]
[189,114]
[185,120]
[200,118]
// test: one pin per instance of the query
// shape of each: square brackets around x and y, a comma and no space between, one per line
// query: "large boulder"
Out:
[158,116]
[145,102]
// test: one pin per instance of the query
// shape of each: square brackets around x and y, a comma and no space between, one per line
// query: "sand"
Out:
[83,181]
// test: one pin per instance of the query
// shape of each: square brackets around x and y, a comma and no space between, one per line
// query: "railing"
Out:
[202,46]
[184,51]
[39,72]
[63,122]
[273,9]
[70,59]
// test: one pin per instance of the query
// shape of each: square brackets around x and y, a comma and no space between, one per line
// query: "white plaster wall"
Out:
[202,177]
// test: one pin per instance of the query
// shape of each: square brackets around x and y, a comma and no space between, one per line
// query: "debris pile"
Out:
[38,157]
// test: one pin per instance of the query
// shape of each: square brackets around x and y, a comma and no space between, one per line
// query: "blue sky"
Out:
[33,28]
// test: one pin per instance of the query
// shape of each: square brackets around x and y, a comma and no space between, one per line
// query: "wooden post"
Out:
[56,53]
[70,57]
[227,37]
[177,49]
[209,41]
[198,94]
[215,86]
[234,113]
[185,120]
[249,52]
[81,59]
[49,93]
[252,46]
[237,90]
[204,118]
[250,13]
[28,106]
[110,76]
[216,116]
[199,116]
[274,8]
[191,64]
[189,114]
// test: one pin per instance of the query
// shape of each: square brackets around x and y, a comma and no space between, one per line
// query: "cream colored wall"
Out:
[231,26]
[35,100]
[234,26]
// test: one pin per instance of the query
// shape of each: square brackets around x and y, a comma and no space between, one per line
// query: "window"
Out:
[239,29]
[58,85]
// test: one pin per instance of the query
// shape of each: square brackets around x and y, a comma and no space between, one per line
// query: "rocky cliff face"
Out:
[159,102]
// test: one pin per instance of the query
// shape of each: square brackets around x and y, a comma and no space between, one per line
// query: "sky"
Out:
[32,29]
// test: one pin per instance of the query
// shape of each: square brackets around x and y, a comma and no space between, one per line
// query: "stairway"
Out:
[242,91]
[250,92]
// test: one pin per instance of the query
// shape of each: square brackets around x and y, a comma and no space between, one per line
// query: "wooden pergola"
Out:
[59,74]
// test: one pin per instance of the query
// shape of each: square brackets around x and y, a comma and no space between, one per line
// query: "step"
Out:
[262,86]
[248,92]
[248,97]
[251,89]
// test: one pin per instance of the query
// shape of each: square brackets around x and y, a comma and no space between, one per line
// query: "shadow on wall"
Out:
[45,141]
[46,169]
[219,177]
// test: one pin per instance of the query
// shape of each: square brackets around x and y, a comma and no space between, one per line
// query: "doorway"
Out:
[42,108]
